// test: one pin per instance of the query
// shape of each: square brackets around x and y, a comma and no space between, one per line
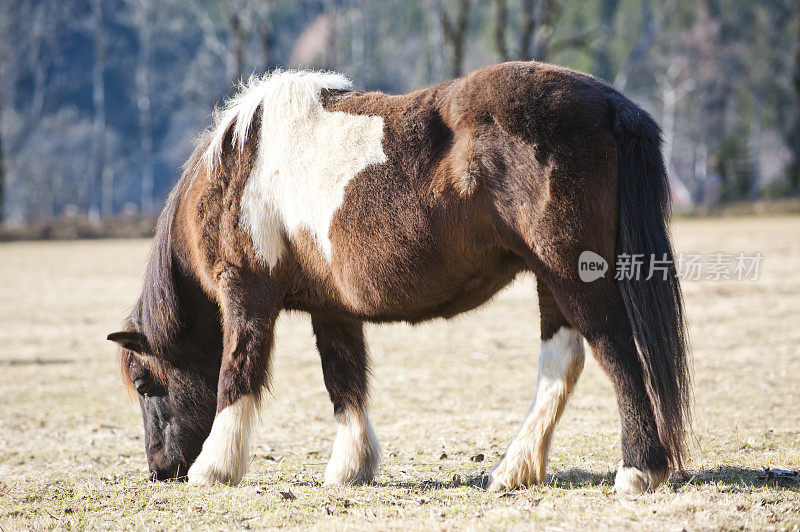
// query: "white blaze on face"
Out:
[306,156]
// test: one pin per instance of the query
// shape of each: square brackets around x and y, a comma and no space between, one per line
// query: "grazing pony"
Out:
[365,207]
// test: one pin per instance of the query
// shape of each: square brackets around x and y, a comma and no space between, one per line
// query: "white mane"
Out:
[282,93]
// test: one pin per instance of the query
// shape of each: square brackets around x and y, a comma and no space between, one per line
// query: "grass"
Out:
[71,442]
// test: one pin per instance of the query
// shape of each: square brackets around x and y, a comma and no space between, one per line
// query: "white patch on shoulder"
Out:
[226,451]
[306,156]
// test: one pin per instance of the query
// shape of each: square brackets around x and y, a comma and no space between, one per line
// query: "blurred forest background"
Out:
[100,99]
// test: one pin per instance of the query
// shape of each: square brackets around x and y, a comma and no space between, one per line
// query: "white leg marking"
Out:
[226,451]
[356,454]
[525,460]
[633,481]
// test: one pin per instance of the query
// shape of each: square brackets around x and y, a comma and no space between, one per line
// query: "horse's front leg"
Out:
[249,308]
[345,367]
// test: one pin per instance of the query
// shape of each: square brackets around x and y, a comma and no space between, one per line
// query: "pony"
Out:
[306,195]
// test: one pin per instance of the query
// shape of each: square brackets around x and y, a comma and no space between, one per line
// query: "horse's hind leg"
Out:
[249,307]
[560,364]
[598,312]
[356,454]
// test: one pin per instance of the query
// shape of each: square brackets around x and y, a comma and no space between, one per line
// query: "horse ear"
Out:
[128,339]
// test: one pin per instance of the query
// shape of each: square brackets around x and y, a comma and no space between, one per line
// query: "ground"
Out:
[71,440]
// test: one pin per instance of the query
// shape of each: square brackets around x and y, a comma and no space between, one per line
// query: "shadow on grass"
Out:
[425,485]
[573,478]
[578,478]
[741,477]
[730,477]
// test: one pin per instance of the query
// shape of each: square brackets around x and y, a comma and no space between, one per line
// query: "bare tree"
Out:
[499,29]
[266,32]
[27,43]
[435,39]
[240,36]
[547,15]
[675,85]
[142,21]
[228,27]
[794,169]
[5,59]
[768,27]
[642,47]
[527,28]
[2,161]
[355,19]
[731,109]
[538,20]
[100,172]
[455,33]
[602,66]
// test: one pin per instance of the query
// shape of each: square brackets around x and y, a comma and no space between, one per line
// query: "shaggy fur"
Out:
[359,207]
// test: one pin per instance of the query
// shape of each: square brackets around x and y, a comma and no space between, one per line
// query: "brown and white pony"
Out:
[353,207]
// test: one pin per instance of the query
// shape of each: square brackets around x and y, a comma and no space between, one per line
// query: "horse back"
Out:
[396,207]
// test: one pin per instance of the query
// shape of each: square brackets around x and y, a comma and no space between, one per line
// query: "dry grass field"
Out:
[71,441]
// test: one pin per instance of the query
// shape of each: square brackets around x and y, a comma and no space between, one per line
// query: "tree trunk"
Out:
[357,40]
[2,164]
[546,17]
[702,190]
[794,175]
[455,31]
[643,45]
[99,124]
[669,99]
[527,27]
[267,35]
[602,67]
[755,149]
[239,44]
[144,23]
[499,33]
[436,40]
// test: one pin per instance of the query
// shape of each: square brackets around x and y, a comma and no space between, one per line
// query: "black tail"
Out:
[654,306]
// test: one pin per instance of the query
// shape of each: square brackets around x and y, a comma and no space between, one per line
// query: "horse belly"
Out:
[391,279]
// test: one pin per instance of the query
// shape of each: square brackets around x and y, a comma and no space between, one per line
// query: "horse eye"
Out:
[143,386]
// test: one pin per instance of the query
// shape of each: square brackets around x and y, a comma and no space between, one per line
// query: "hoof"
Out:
[205,473]
[354,472]
[356,454]
[511,474]
[226,451]
[633,481]
[336,479]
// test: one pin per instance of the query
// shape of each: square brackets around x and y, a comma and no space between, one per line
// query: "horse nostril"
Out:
[174,473]
[181,473]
